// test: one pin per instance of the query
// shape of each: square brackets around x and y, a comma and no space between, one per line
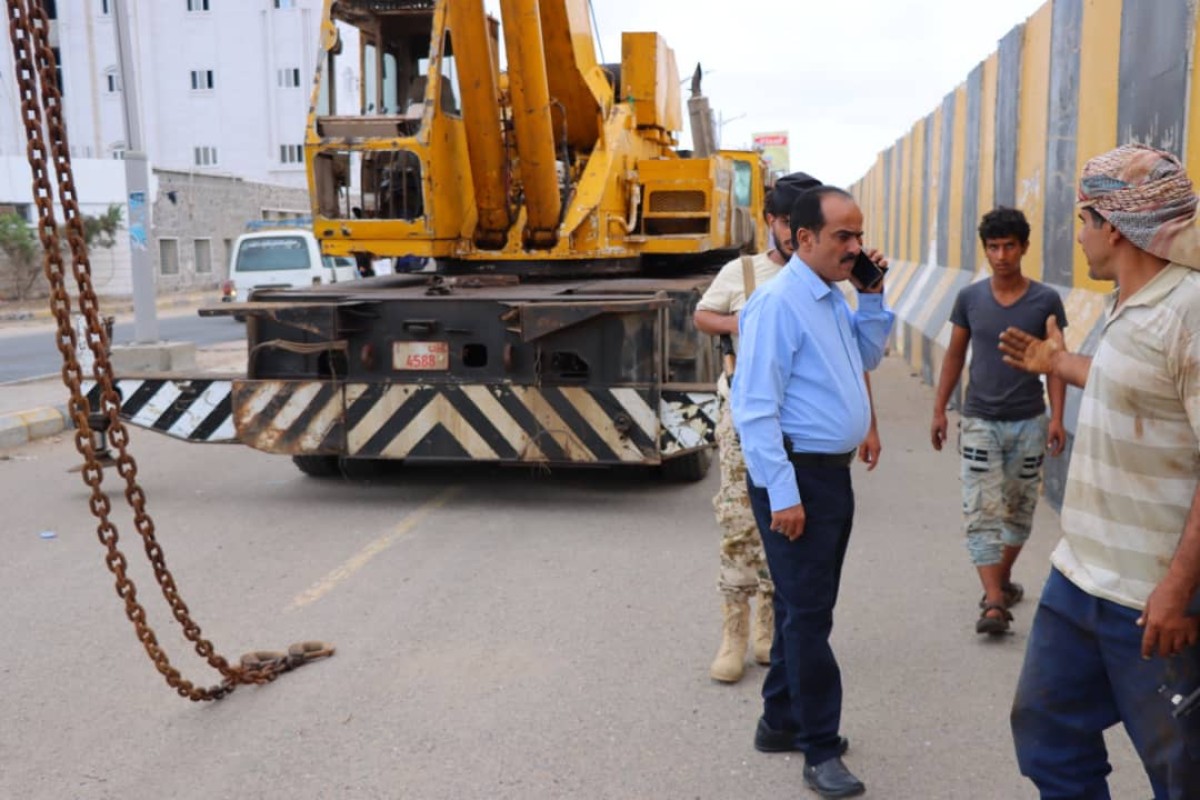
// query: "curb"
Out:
[22,427]
[19,428]
[123,306]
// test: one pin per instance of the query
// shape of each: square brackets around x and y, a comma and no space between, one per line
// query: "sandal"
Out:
[1013,594]
[993,626]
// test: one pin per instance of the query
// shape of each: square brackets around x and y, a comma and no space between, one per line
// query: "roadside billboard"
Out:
[774,147]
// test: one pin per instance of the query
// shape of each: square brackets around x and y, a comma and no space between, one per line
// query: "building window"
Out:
[285,3]
[277,214]
[291,153]
[206,156]
[168,256]
[20,209]
[203,255]
[51,7]
[112,81]
[202,80]
[289,78]
[58,65]
[197,5]
[105,9]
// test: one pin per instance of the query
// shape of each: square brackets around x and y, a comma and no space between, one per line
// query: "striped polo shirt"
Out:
[1136,458]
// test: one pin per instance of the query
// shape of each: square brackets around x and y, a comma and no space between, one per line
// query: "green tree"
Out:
[19,244]
[102,230]
[24,251]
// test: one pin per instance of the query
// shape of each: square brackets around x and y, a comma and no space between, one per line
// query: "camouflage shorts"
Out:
[743,563]
[1001,476]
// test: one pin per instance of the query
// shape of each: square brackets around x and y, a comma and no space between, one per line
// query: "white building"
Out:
[224,85]
[224,88]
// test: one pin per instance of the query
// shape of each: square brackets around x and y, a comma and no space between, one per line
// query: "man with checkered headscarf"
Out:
[1116,634]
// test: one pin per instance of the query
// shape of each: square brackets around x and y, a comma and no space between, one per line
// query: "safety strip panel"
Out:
[502,422]
[497,422]
[192,410]
[689,421]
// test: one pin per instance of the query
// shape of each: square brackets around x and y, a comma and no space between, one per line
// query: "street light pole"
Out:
[137,185]
[722,122]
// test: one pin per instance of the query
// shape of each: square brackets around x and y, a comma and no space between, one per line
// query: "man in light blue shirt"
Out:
[801,408]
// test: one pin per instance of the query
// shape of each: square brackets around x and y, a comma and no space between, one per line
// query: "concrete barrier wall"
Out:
[1076,79]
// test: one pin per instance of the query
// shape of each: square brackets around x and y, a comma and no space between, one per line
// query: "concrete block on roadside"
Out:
[23,427]
[156,357]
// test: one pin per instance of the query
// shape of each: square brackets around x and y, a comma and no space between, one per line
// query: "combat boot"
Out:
[764,629]
[730,663]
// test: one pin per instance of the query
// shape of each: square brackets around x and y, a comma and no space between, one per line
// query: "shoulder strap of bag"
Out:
[748,278]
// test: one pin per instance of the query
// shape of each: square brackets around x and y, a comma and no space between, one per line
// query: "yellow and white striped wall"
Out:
[1077,78]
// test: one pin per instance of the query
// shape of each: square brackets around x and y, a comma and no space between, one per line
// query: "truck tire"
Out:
[363,469]
[688,468]
[319,466]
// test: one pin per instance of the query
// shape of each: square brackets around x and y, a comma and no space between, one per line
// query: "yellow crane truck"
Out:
[570,240]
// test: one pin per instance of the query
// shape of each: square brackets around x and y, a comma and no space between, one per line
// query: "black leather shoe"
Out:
[832,779]
[769,740]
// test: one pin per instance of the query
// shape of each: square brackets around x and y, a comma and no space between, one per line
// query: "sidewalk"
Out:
[39,310]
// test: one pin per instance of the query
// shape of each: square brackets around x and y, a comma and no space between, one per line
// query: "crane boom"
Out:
[555,164]
[481,104]
[531,116]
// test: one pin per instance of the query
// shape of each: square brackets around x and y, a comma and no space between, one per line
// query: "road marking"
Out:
[364,556]
[32,379]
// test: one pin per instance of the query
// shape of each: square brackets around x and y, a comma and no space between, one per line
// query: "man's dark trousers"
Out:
[1083,673]
[803,688]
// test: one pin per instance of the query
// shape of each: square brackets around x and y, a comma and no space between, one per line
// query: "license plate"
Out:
[421,355]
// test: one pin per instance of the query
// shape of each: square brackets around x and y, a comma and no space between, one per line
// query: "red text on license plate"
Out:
[421,355]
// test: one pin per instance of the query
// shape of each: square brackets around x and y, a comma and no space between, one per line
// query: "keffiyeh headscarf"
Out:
[1147,196]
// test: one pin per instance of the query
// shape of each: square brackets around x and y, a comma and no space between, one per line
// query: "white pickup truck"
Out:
[281,259]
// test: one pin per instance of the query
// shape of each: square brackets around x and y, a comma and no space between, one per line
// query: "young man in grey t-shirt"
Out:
[1004,433]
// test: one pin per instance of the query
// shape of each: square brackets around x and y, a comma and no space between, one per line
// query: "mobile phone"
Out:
[866,272]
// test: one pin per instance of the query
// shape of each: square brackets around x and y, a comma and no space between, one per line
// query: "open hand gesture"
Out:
[1027,352]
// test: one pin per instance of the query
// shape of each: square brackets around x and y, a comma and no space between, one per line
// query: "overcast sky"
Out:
[845,78]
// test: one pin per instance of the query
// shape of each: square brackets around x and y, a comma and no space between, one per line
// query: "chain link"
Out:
[35,63]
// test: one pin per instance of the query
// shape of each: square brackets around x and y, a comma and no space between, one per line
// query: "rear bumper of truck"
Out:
[500,422]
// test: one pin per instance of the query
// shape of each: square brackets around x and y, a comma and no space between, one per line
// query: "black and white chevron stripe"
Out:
[193,410]
[689,420]
[497,422]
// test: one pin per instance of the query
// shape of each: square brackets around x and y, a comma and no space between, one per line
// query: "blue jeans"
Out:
[1084,673]
[802,691]
[1001,475]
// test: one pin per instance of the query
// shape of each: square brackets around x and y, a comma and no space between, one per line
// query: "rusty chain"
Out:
[34,63]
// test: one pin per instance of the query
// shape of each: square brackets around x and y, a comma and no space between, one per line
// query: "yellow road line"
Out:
[372,549]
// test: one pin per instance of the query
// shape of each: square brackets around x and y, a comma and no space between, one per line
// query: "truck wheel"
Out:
[318,466]
[687,468]
[363,469]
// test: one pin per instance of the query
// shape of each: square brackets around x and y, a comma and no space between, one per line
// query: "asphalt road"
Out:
[31,351]
[500,634]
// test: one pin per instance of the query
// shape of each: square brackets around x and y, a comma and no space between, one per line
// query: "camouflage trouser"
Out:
[1001,476]
[743,564]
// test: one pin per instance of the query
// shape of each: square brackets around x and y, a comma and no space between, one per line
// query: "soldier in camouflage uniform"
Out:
[744,570]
